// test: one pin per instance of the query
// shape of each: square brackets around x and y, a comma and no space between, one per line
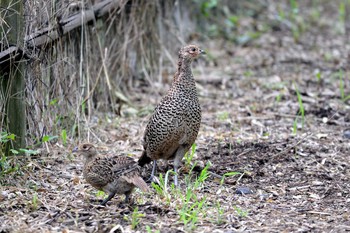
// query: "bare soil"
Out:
[299,181]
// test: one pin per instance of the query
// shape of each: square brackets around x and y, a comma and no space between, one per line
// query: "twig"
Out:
[290,147]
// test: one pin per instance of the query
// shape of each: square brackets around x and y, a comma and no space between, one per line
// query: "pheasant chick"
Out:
[113,175]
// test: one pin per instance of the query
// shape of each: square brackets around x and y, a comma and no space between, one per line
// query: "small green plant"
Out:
[301,112]
[342,16]
[278,97]
[14,151]
[294,6]
[190,209]
[241,212]
[281,13]
[295,126]
[53,102]
[34,204]
[189,156]
[6,167]
[295,20]
[5,137]
[318,76]
[294,16]
[29,151]
[48,138]
[228,174]
[206,6]
[202,176]
[343,96]
[219,213]
[83,107]
[315,12]
[248,73]
[135,218]
[149,230]
[159,187]
[64,137]
[328,56]
[162,187]
[223,116]
[101,194]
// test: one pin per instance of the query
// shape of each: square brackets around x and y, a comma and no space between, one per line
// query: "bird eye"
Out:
[193,49]
[84,147]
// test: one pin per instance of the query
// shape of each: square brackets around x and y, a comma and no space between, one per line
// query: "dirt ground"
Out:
[296,173]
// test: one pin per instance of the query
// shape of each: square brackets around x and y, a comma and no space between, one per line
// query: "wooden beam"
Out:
[11,55]
[12,83]
[63,26]
[53,32]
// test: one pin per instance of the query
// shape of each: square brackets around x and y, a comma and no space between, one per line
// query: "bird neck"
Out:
[88,158]
[184,71]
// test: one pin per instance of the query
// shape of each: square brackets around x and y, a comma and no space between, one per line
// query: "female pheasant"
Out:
[175,123]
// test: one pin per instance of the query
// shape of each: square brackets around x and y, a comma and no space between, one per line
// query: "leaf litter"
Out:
[295,176]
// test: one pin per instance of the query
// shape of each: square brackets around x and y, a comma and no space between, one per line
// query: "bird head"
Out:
[190,52]
[86,149]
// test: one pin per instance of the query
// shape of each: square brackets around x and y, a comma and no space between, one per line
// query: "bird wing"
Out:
[126,168]
[165,122]
[123,165]
[99,173]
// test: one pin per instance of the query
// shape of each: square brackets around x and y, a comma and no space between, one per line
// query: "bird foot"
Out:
[123,205]
[153,179]
[103,203]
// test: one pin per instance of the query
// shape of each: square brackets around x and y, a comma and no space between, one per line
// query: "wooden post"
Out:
[12,76]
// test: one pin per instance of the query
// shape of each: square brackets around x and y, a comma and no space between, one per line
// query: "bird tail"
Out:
[138,182]
[141,184]
[144,159]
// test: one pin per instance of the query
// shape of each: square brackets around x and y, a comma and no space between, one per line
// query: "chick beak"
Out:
[75,149]
[202,51]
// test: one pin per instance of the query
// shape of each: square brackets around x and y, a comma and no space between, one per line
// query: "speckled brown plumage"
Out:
[175,123]
[113,175]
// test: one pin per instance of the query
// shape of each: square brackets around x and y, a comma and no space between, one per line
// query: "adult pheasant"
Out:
[175,123]
[113,175]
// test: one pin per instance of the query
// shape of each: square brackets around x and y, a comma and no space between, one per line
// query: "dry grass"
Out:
[93,68]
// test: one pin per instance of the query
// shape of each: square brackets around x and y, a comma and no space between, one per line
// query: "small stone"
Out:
[346,134]
[324,120]
[244,190]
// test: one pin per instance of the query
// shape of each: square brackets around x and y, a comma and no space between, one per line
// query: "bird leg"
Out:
[110,196]
[177,160]
[151,179]
[127,196]
[154,168]
[175,177]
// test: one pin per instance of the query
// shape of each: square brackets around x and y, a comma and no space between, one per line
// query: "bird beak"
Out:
[75,149]
[202,51]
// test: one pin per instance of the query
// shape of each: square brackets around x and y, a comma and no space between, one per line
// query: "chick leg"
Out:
[127,197]
[110,196]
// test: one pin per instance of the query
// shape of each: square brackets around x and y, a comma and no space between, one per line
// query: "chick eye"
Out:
[84,147]
[193,49]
